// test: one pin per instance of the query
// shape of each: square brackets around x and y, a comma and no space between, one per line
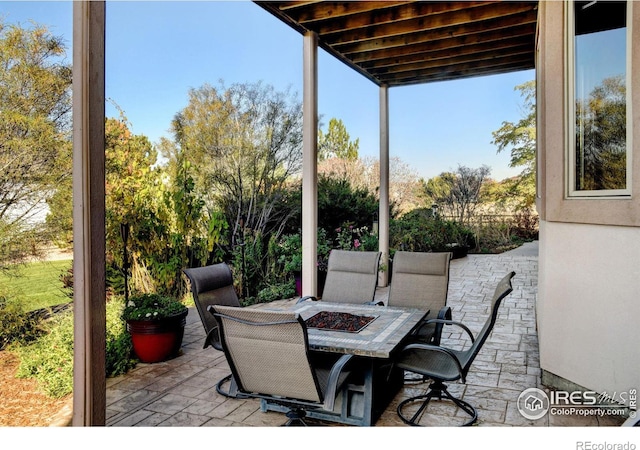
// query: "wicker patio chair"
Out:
[269,357]
[442,364]
[352,277]
[213,285]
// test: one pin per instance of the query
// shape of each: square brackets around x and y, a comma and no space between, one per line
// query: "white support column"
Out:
[383,234]
[89,296]
[310,166]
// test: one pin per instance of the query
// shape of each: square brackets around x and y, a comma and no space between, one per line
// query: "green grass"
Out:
[38,284]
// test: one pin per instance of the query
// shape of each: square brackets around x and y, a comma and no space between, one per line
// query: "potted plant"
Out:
[156,325]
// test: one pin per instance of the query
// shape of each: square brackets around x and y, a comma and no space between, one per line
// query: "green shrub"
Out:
[50,359]
[119,347]
[277,292]
[16,325]
[420,231]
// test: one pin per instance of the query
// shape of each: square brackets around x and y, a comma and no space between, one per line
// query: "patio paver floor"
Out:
[181,392]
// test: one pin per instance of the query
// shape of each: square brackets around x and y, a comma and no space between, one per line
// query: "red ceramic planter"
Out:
[157,340]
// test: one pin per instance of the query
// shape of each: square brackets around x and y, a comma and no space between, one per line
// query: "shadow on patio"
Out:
[181,392]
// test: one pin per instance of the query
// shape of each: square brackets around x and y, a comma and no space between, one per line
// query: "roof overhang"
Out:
[396,43]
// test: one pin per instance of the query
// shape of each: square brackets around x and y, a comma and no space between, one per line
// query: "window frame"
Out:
[570,160]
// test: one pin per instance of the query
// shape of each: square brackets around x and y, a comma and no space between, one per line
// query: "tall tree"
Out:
[520,139]
[336,142]
[458,193]
[35,145]
[246,143]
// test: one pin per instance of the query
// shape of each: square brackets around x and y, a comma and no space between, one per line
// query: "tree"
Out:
[169,226]
[35,144]
[336,142]
[459,193]
[246,143]
[520,139]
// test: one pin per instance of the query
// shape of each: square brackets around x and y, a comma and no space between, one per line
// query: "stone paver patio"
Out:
[181,392]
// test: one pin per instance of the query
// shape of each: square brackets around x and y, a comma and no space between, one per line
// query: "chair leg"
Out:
[296,418]
[232,392]
[437,390]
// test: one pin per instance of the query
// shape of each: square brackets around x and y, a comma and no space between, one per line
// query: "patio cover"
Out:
[398,43]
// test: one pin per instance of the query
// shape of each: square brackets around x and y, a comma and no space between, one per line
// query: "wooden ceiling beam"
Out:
[293,5]
[455,71]
[479,72]
[334,11]
[475,15]
[503,24]
[442,49]
[490,56]
[389,13]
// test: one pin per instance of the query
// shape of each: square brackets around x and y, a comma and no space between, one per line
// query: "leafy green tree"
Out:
[336,142]
[459,193]
[35,146]
[246,143]
[169,228]
[520,139]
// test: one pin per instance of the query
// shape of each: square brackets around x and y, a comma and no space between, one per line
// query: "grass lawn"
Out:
[38,285]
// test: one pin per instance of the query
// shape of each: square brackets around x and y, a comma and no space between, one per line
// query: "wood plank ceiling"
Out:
[399,43]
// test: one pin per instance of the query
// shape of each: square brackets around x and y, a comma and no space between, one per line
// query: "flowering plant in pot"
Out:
[156,325]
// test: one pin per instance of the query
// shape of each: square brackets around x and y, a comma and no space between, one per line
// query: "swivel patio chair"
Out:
[352,277]
[442,364]
[421,280]
[269,357]
[213,285]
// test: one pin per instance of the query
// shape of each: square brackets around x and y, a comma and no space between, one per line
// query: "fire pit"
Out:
[339,321]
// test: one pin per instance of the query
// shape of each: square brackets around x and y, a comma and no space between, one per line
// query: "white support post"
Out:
[310,166]
[89,296]
[383,234]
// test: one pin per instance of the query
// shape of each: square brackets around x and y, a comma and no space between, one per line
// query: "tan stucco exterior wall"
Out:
[589,268]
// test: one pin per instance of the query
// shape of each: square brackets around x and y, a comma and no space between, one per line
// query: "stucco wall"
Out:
[589,305]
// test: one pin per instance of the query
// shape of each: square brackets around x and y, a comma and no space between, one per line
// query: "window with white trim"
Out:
[598,99]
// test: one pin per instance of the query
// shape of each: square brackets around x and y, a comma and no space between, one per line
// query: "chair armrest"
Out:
[307,297]
[451,322]
[436,349]
[332,384]
[443,314]
[213,339]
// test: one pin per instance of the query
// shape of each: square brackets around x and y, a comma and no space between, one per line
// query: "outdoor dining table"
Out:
[374,385]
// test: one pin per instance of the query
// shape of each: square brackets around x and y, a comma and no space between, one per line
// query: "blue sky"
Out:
[158,50]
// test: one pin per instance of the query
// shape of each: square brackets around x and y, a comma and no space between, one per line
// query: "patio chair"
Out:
[444,364]
[352,277]
[213,285]
[421,280]
[269,357]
